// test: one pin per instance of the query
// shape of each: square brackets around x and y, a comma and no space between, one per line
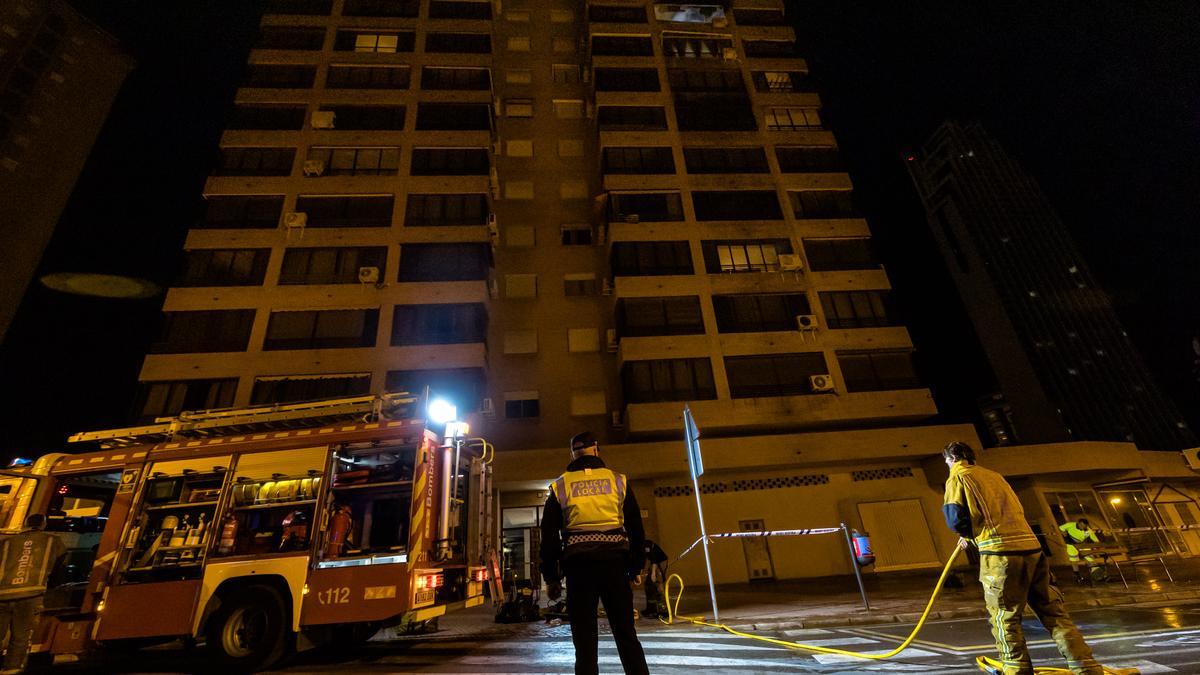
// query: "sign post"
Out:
[691,438]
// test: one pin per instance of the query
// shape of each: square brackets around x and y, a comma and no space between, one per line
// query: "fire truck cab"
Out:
[260,530]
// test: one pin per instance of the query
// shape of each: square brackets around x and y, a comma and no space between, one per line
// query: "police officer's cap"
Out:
[582,441]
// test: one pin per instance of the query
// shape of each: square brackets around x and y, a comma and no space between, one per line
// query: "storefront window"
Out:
[1132,509]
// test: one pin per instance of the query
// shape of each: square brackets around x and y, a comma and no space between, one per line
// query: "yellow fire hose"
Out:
[987,664]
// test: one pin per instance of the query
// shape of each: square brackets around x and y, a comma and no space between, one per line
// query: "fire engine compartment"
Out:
[375,481]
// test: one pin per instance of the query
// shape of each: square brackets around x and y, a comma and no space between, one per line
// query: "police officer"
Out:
[26,560]
[592,532]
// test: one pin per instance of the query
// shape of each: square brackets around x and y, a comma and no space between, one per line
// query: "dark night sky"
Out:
[1099,101]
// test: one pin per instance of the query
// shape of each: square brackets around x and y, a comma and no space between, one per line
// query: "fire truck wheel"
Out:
[248,633]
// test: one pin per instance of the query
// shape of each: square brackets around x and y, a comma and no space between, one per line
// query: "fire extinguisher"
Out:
[863,554]
[229,528]
[339,529]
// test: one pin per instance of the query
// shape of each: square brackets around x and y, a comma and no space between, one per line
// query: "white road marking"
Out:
[568,658]
[910,653]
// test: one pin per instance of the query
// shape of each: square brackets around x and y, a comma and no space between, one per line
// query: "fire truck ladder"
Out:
[226,421]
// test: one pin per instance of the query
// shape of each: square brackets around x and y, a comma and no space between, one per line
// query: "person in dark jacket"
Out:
[656,573]
[592,532]
[26,560]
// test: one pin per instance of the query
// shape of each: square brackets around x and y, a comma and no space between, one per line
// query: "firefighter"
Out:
[981,507]
[28,557]
[1076,533]
[592,532]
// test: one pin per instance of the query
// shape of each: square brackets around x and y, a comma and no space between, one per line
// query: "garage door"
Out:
[899,535]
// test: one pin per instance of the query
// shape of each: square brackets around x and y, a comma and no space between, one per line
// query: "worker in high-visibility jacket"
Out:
[980,506]
[26,560]
[1076,533]
[592,532]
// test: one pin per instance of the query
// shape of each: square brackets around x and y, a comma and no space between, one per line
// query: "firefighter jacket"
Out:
[979,505]
[26,560]
[591,514]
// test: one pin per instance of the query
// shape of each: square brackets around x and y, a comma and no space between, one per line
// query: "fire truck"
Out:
[261,530]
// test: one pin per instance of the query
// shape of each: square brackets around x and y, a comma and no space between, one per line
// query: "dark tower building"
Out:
[1064,365]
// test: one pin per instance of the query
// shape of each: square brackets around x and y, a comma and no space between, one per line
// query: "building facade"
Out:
[567,216]
[59,74]
[1065,366]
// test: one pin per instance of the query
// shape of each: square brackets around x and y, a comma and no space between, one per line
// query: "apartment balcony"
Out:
[793,341]
[641,181]
[664,347]
[635,98]
[849,280]
[319,296]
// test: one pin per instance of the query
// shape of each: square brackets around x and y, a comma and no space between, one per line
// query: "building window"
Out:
[521,405]
[719,111]
[346,211]
[568,109]
[439,324]
[518,107]
[367,117]
[367,77]
[851,253]
[822,203]
[759,313]
[562,16]
[721,257]
[651,258]
[330,265]
[291,37]
[674,315]
[309,388]
[266,117]
[860,309]
[696,47]
[460,9]
[638,160]
[348,161]
[224,267]
[466,387]
[241,212]
[454,117]
[777,81]
[579,285]
[322,329]
[688,13]
[793,119]
[648,207]
[725,160]
[300,7]
[773,375]
[168,399]
[521,43]
[759,17]
[564,73]
[388,8]
[444,262]
[737,205]
[374,42]
[465,79]
[273,76]
[668,380]
[576,234]
[610,14]
[808,159]
[226,330]
[632,118]
[440,210]
[518,76]
[622,45]
[878,370]
[520,285]
[449,162]
[695,80]
[255,162]
[626,79]
[771,49]
[458,43]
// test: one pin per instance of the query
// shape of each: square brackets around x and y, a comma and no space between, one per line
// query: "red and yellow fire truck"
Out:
[258,530]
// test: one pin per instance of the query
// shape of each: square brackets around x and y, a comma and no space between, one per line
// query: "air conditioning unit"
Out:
[632,218]
[314,167]
[295,219]
[368,275]
[720,22]
[494,289]
[790,262]
[729,53]
[618,420]
[1192,457]
[487,408]
[806,322]
[606,287]
[820,383]
[323,119]
[611,340]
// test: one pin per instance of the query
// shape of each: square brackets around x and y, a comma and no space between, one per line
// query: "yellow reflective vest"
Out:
[1076,536]
[592,500]
[996,517]
[26,560]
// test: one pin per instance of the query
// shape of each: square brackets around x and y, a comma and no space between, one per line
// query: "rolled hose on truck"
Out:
[985,663]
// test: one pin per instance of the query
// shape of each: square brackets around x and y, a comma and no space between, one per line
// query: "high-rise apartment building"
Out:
[59,74]
[1064,365]
[565,216]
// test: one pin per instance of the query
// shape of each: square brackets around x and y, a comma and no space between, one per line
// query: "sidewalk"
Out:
[901,597]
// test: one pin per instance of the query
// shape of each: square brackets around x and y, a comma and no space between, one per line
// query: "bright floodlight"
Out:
[442,411]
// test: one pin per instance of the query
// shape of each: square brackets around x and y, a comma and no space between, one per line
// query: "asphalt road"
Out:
[1156,640]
